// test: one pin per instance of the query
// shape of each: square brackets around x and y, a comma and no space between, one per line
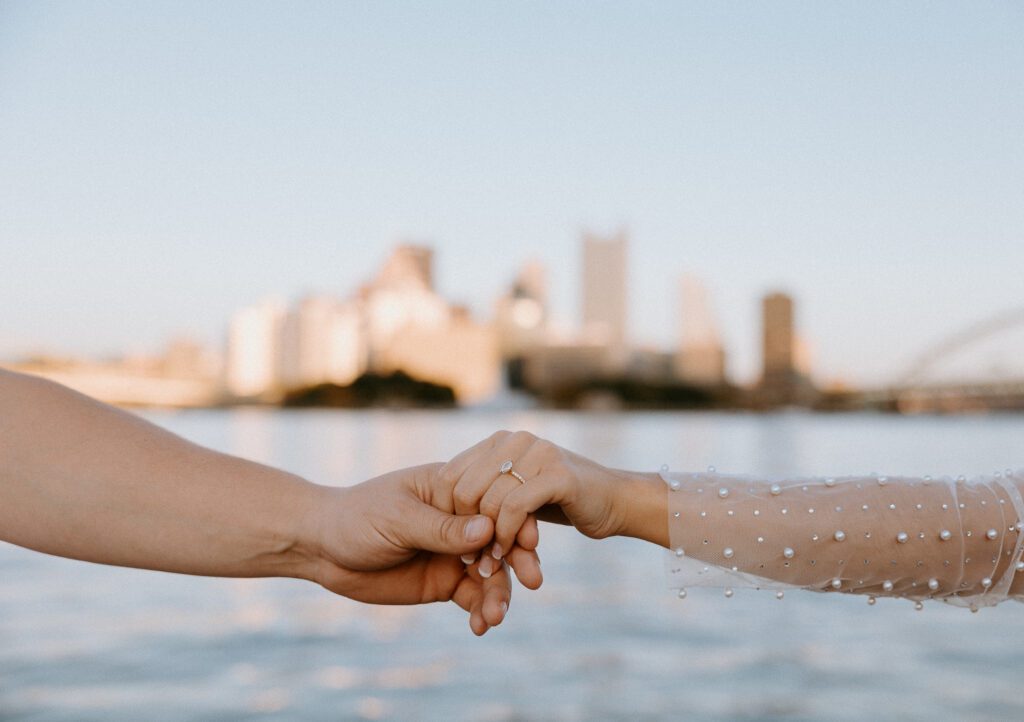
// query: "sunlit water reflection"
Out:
[603,639]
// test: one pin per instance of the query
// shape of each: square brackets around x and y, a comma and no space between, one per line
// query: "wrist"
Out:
[642,501]
[304,551]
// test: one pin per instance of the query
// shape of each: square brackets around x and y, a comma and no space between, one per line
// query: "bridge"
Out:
[915,392]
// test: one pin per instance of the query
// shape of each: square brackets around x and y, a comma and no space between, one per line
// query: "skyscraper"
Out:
[778,338]
[604,289]
[785,377]
[701,359]
[253,364]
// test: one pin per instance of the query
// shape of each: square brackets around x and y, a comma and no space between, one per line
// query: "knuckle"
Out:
[446,528]
[490,506]
[522,438]
[464,497]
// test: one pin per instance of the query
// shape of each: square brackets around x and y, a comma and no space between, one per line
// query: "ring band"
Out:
[506,468]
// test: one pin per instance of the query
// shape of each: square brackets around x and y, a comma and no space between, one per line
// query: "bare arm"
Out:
[84,480]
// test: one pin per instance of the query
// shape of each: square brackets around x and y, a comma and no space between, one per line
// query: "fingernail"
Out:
[485,567]
[476,528]
[504,609]
[496,551]
[468,558]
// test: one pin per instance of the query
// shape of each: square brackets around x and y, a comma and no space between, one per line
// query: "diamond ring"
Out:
[506,468]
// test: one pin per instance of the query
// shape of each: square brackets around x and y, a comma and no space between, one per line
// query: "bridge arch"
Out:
[984,329]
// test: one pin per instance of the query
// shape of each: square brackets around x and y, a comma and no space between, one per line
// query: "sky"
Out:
[163,164]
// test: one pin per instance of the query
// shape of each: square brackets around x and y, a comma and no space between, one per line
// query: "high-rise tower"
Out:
[604,289]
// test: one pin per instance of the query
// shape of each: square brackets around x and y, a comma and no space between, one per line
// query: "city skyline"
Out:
[866,160]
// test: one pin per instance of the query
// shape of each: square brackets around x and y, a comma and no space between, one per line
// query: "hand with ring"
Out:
[507,465]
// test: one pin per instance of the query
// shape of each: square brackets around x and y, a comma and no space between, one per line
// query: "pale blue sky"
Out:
[162,164]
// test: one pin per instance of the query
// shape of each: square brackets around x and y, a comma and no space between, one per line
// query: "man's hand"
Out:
[383,542]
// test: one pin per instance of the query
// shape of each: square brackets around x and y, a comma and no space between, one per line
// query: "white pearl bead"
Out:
[991,534]
[1020,566]
[775,489]
[945,535]
[727,552]
[933,584]
[682,594]
[902,537]
[674,485]
[723,492]
[830,481]
[788,553]
[779,595]
[887,585]
[882,480]
[711,470]
[918,606]
[839,535]
[836,583]
[679,551]
[871,600]
[728,592]
[986,582]
[664,468]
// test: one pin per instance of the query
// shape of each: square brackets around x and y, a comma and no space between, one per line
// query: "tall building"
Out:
[321,342]
[604,289]
[701,359]
[252,367]
[410,328]
[409,264]
[521,321]
[785,377]
[778,338]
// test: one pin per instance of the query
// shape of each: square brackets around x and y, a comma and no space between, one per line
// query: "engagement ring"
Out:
[506,468]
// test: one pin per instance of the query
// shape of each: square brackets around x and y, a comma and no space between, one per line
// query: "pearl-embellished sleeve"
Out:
[957,540]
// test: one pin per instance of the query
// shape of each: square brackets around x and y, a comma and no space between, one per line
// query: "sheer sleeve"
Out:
[956,540]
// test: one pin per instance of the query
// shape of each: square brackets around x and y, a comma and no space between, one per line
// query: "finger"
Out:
[520,503]
[528,535]
[527,567]
[486,599]
[485,470]
[484,498]
[490,503]
[476,620]
[433,530]
[497,593]
[450,473]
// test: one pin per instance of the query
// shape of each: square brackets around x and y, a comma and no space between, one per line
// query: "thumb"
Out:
[433,530]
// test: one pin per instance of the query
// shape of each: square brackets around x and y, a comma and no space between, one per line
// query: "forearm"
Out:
[958,540]
[84,480]
[643,499]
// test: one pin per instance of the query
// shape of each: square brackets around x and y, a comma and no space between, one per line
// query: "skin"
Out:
[561,487]
[84,480]
[600,502]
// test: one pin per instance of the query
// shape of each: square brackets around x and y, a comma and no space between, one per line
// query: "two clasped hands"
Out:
[84,480]
[453,531]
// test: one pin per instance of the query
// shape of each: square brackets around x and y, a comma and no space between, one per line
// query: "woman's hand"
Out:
[559,486]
